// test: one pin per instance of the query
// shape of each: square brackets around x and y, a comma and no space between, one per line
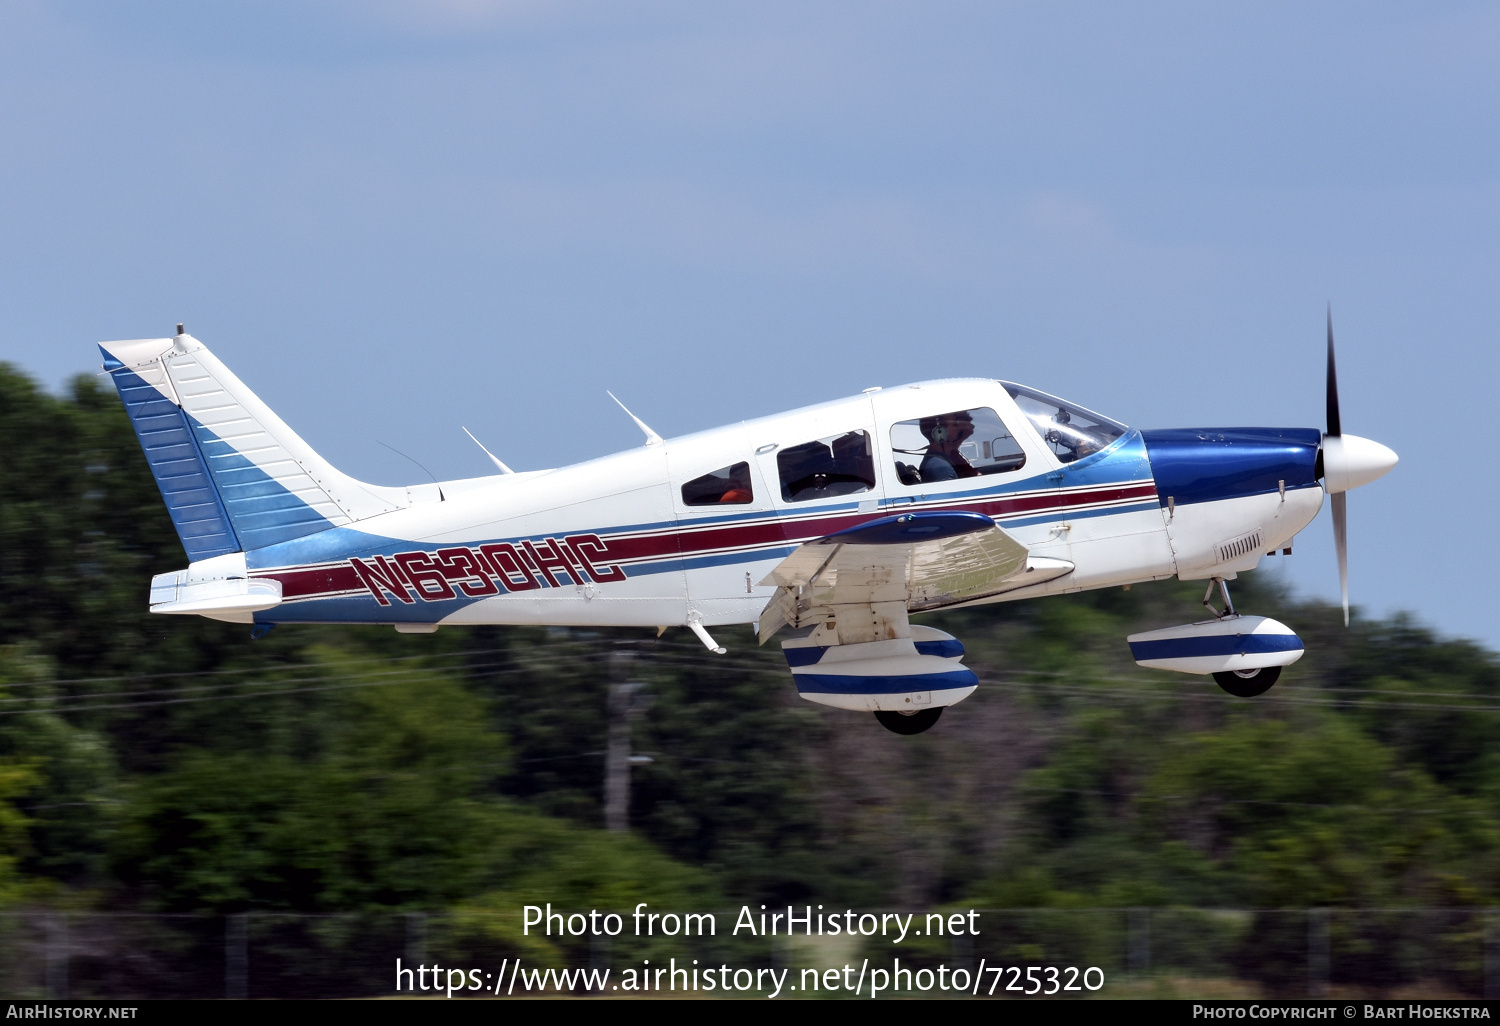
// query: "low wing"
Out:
[866,579]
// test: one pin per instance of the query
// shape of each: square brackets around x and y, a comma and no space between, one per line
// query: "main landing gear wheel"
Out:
[1246,683]
[913,723]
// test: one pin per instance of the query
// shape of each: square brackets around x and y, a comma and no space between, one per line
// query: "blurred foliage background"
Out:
[173,766]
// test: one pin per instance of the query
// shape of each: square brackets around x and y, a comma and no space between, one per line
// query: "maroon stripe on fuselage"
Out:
[709,539]
[321,580]
[311,582]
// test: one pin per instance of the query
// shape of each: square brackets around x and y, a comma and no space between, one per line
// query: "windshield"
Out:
[1070,431]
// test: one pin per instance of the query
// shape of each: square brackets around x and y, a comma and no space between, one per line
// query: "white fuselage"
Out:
[613,542]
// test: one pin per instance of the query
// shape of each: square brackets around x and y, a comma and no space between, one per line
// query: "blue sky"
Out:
[394,219]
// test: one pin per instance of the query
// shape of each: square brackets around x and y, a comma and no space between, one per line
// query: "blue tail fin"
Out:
[233,475]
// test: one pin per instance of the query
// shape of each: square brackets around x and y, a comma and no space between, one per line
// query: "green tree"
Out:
[15,780]
[388,805]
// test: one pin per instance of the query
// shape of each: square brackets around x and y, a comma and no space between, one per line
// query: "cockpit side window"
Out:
[825,467]
[727,486]
[1069,431]
[948,446]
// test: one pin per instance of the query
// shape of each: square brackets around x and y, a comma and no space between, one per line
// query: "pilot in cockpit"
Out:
[945,433]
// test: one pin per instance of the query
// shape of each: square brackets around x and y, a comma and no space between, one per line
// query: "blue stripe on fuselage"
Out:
[1123,463]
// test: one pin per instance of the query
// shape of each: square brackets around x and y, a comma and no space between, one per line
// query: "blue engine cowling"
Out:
[1205,464]
[900,675]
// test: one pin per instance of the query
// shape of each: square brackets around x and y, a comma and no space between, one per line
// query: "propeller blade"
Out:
[1333,382]
[1341,544]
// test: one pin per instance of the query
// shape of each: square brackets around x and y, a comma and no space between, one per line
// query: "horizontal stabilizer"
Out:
[219,587]
[171,594]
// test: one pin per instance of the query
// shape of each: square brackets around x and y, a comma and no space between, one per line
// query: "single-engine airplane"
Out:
[834,522]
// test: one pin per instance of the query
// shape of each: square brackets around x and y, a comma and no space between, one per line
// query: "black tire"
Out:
[909,723]
[1248,683]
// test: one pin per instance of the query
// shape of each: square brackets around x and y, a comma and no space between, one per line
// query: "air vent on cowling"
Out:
[1238,547]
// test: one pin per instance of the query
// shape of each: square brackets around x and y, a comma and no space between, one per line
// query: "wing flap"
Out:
[881,570]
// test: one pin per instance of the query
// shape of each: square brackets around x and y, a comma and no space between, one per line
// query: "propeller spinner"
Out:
[1348,462]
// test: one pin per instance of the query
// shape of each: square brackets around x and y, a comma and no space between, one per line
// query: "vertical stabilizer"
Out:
[233,475]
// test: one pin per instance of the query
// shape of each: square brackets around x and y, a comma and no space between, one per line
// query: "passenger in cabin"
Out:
[944,434]
[723,487]
[738,485]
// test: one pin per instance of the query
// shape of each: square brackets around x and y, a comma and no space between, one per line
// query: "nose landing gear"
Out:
[909,723]
[1243,654]
[1239,683]
[1248,683]
[1208,600]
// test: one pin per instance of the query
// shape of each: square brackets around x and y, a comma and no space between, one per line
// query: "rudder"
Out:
[233,475]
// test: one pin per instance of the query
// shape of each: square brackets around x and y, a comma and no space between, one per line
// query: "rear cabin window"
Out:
[827,467]
[949,446]
[727,486]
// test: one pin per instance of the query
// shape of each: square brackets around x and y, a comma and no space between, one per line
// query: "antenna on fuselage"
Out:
[493,458]
[398,452]
[652,438]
